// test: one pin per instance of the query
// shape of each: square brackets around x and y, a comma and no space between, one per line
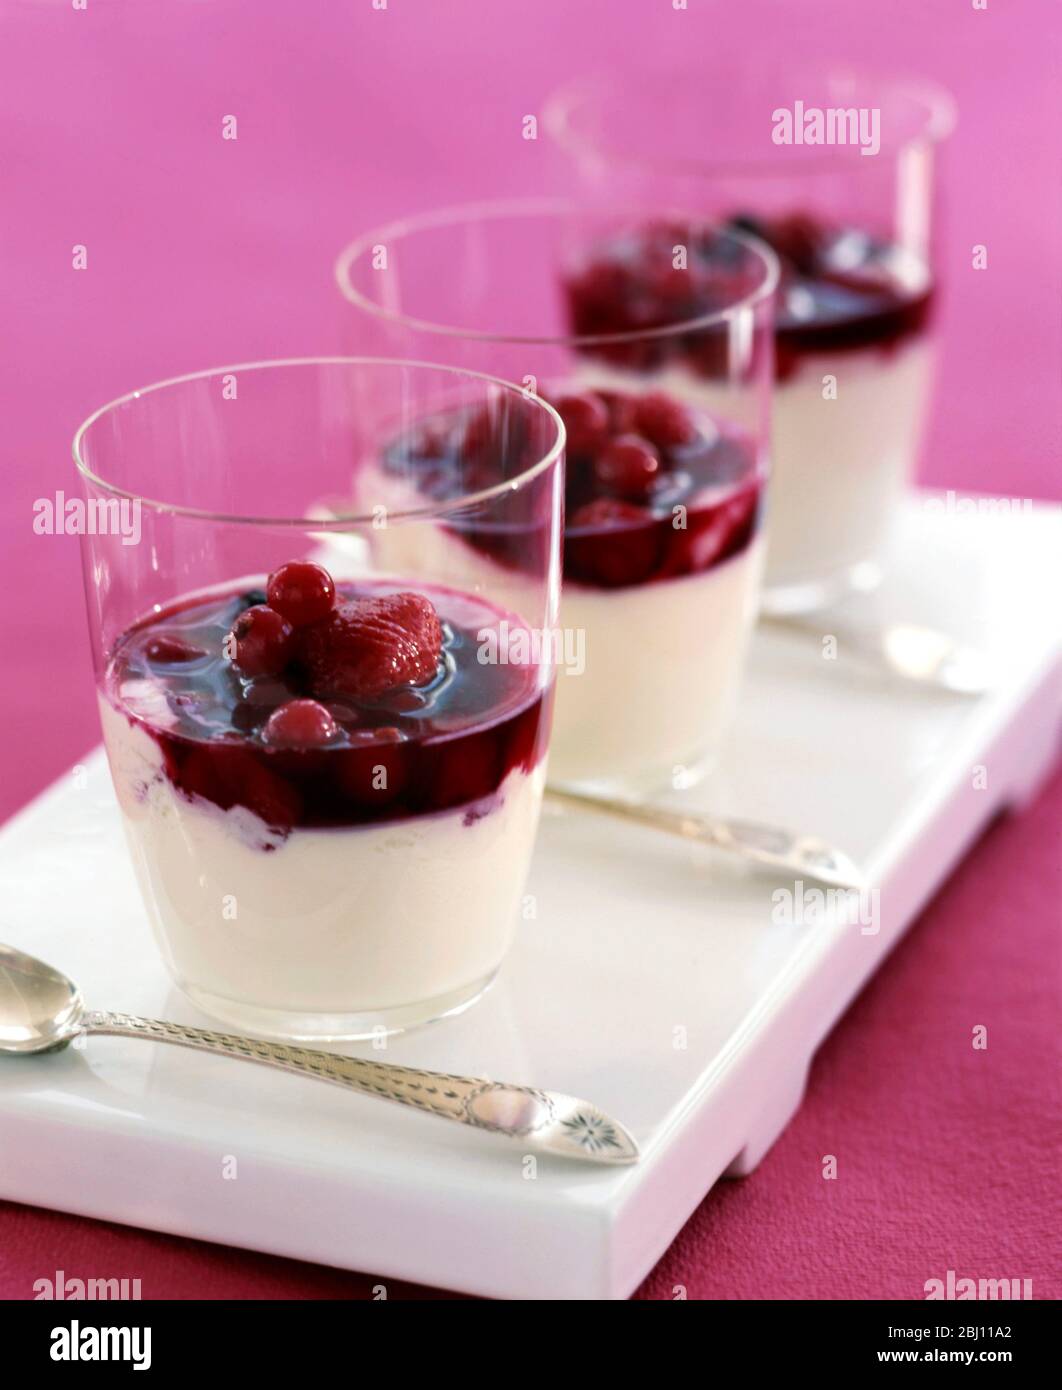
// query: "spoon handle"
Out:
[543,1121]
[804,855]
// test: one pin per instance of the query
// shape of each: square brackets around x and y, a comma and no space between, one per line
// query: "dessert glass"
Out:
[854,234]
[354,864]
[661,564]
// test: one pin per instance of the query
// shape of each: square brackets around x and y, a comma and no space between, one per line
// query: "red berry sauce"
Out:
[653,490]
[840,290]
[268,740]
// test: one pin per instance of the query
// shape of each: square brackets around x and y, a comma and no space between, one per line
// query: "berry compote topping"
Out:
[377,709]
[653,490]
[461,452]
[665,494]
[839,289]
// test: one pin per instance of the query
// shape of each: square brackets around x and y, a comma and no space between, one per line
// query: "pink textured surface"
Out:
[203,251]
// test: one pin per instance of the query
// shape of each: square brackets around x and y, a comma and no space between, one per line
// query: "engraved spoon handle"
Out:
[544,1121]
[804,855]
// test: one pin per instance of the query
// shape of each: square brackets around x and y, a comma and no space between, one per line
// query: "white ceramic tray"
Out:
[653,980]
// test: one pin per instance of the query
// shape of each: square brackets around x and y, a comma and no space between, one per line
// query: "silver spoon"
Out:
[42,1011]
[803,855]
[907,652]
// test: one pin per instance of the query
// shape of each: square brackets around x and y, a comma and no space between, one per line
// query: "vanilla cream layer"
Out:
[840,465]
[334,921]
[663,666]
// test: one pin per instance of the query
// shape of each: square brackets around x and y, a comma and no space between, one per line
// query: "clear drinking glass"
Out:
[330,791]
[852,223]
[666,411]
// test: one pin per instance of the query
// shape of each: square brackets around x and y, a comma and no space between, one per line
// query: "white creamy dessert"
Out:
[663,715]
[330,801]
[321,922]
[841,464]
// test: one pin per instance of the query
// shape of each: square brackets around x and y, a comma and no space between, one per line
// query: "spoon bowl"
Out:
[40,1009]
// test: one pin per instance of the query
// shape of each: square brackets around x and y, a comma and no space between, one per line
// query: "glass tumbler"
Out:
[651,335]
[836,171]
[329,778]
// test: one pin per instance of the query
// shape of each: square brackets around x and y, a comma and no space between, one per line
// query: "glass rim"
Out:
[344,522]
[467,213]
[561,104]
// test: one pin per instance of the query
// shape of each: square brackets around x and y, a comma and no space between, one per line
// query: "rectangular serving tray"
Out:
[654,978]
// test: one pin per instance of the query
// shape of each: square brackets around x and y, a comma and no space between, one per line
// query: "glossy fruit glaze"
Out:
[304,744]
[840,289]
[653,490]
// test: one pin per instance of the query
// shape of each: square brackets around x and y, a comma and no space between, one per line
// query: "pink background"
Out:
[203,252]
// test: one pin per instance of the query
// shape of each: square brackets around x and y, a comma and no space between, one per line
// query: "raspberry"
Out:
[260,643]
[371,645]
[301,592]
